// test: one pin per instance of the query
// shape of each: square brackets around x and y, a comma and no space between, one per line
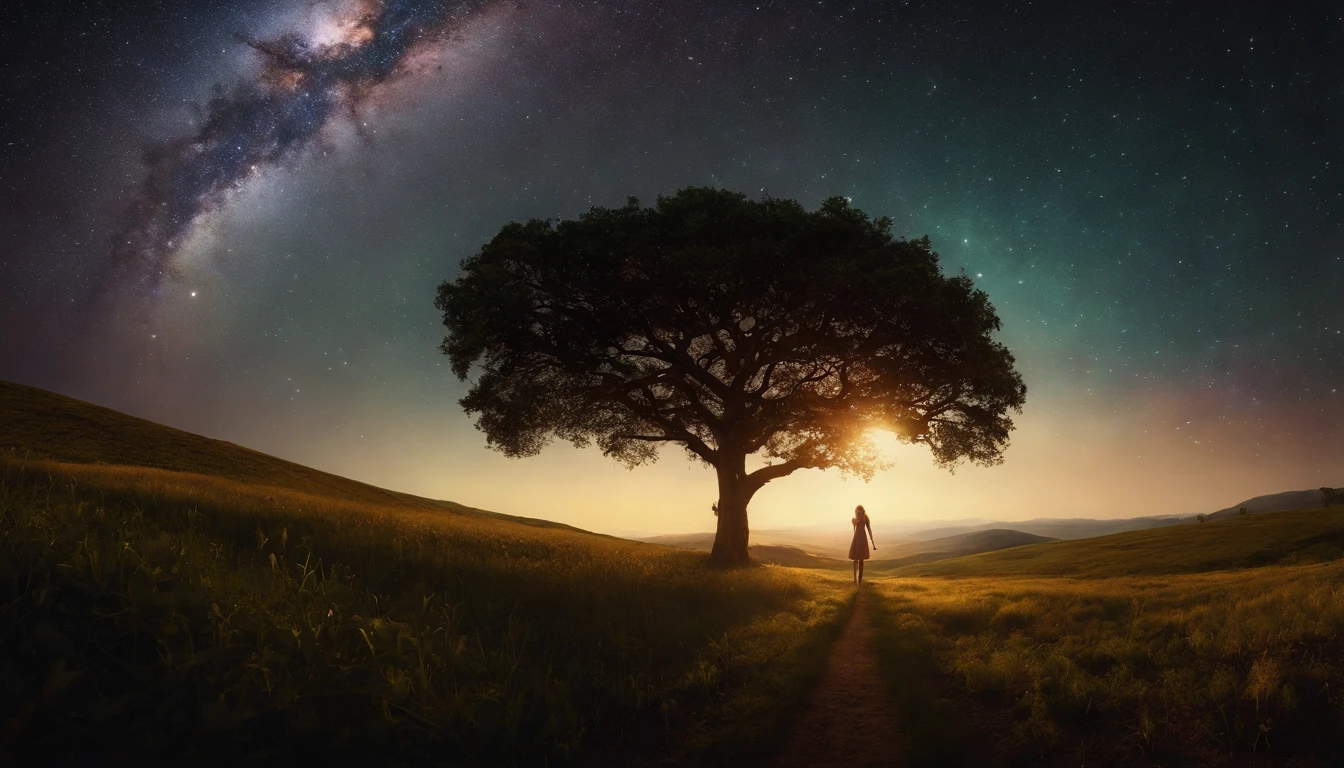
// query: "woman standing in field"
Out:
[858,549]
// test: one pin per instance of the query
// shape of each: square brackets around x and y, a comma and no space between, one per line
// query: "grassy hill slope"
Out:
[1055,527]
[1273,502]
[1233,668]
[778,547]
[970,543]
[199,602]
[793,557]
[1205,644]
[38,424]
[1236,542]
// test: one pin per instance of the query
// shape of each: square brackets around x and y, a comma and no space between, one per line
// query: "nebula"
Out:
[305,81]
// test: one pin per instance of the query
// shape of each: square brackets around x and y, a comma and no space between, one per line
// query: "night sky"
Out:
[232,218]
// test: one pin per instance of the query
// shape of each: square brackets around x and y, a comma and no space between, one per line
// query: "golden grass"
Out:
[1199,669]
[1244,541]
[38,425]
[184,615]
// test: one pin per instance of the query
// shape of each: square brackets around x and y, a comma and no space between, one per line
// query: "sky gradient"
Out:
[232,218]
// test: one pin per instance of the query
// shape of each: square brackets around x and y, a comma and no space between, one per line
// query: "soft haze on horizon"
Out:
[1152,206]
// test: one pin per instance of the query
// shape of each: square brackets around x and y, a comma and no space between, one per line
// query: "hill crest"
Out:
[39,424]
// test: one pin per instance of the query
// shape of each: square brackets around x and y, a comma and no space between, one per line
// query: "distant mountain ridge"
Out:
[1274,502]
[913,544]
[900,552]
[1056,528]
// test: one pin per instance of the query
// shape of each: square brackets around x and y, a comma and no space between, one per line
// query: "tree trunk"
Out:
[730,540]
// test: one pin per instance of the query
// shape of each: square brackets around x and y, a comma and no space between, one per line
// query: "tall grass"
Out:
[1197,669]
[180,616]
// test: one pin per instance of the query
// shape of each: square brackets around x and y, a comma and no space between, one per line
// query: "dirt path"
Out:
[849,720]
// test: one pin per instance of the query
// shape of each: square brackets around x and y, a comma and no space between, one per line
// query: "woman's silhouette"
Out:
[858,549]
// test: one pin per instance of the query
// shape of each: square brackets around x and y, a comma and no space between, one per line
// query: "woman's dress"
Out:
[858,549]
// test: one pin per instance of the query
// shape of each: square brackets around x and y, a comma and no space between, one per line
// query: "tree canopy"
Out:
[731,327]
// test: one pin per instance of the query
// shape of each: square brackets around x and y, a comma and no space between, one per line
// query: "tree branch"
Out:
[773,472]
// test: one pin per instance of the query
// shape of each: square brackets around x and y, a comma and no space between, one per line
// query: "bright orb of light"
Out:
[886,444]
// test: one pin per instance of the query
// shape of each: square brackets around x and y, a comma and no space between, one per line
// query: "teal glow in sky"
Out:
[1151,196]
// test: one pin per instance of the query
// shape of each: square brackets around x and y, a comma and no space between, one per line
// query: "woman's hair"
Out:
[860,511]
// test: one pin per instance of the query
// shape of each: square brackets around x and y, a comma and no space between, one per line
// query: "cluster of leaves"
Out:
[1198,669]
[182,617]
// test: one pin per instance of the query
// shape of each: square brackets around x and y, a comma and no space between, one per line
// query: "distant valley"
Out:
[921,541]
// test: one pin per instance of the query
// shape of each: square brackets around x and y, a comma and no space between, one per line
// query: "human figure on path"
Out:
[858,549]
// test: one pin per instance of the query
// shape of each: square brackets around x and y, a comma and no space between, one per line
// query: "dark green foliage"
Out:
[731,327]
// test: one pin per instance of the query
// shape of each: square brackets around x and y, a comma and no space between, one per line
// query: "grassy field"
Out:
[179,598]
[1234,665]
[271,612]
[37,424]
[1244,541]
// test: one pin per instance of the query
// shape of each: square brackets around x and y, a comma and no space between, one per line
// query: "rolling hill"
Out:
[1274,502]
[1082,528]
[793,557]
[807,555]
[958,545]
[37,424]
[1054,528]
[187,600]
[1240,541]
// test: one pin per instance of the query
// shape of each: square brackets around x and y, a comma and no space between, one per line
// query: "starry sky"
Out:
[232,218]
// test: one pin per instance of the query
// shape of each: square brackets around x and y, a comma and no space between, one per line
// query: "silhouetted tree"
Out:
[1200,518]
[733,328]
[1332,496]
[1243,511]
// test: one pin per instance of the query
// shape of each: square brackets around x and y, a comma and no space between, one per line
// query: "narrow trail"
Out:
[849,721]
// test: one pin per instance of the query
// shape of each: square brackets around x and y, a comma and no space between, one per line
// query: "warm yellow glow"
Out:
[1065,460]
[888,446]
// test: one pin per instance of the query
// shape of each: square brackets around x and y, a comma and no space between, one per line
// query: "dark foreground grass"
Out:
[1223,668]
[156,616]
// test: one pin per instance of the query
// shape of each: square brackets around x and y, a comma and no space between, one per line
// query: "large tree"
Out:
[733,328]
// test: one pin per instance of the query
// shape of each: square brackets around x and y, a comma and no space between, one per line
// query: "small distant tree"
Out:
[1332,496]
[1200,518]
[1243,511]
[732,328]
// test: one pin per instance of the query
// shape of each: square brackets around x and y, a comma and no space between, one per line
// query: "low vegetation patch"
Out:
[176,615]
[1216,668]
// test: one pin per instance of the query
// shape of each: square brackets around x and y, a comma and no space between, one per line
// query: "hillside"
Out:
[37,424]
[772,554]
[956,546]
[828,543]
[247,606]
[1274,502]
[793,557]
[778,547]
[1240,541]
[1082,528]
[1055,528]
